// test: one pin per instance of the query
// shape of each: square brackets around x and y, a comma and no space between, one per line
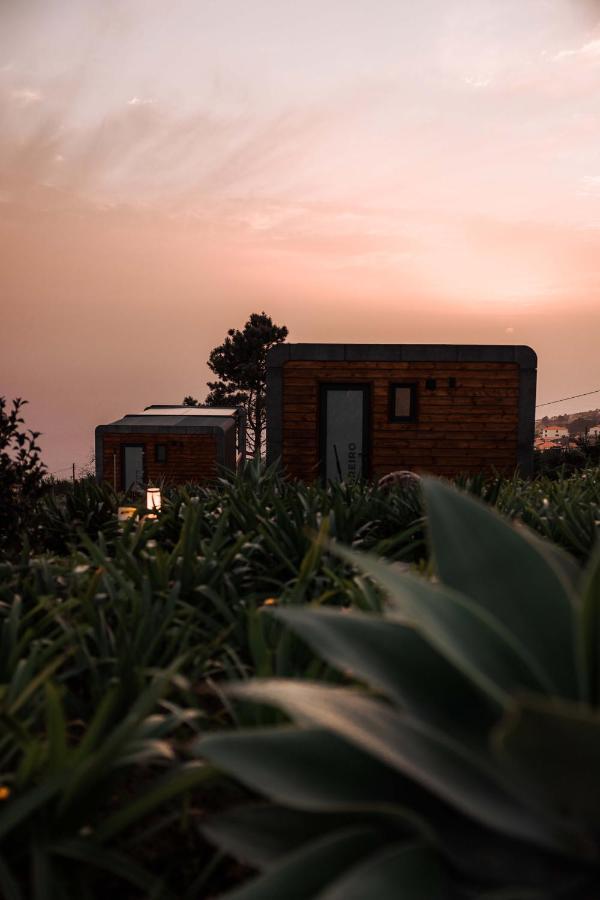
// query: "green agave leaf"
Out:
[484,856]
[591,626]
[488,660]
[437,763]
[556,748]
[471,637]
[558,558]
[260,834]
[482,556]
[512,894]
[411,872]
[396,659]
[302,874]
[309,768]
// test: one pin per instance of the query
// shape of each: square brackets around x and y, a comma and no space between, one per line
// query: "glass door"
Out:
[133,465]
[344,431]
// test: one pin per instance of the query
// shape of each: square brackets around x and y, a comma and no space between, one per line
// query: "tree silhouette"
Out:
[240,363]
[21,472]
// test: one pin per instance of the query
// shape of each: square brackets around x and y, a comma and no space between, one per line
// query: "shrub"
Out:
[63,516]
[21,473]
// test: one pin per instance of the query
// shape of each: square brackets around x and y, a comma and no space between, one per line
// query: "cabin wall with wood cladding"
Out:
[190,457]
[467,428]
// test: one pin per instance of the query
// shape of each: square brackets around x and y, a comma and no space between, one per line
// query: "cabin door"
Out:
[344,418]
[133,465]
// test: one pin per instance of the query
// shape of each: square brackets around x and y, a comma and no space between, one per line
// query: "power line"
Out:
[574,397]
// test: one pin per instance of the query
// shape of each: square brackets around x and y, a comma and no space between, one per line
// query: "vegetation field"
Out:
[284,691]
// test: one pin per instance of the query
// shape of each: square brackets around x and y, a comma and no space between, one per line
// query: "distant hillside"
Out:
[576,422]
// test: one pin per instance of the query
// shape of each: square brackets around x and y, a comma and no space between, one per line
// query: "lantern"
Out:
[153,499]
[124,513]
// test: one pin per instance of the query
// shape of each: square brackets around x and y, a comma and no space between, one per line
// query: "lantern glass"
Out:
[153,499]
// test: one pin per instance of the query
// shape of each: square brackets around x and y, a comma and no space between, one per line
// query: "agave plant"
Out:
[462,760]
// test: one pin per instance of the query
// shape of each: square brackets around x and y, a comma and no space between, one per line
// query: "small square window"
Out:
[160,454]
[403,402]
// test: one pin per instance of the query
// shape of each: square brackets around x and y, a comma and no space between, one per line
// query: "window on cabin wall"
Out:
[160,453]
[403,402]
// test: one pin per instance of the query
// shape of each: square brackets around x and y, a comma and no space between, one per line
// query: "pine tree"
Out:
[240,364]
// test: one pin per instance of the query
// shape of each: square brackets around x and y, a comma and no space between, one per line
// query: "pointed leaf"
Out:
[591,626]
[409,872]
[431,759]
[260,834]
[481,555]
[474,642]
[396,659]
[555,747]
[309,768]
[302,874]
[559,559]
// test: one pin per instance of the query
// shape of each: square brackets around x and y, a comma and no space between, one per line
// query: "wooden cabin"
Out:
[169,444]
[336,411]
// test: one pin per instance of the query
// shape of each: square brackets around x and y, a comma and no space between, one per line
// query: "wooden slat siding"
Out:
[190,457]
[468,428]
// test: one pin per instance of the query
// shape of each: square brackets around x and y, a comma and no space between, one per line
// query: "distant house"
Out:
[543,445]
[338,411]
[171,444]
[594,431]
[554,432]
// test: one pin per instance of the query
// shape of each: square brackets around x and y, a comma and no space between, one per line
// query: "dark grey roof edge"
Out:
[519,353]
[122,427]
[276,356]
[202,408]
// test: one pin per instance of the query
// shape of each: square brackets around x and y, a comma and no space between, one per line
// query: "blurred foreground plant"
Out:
[72,792]
[469,764]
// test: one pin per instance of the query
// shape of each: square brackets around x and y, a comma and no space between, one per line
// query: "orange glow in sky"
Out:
[390,171]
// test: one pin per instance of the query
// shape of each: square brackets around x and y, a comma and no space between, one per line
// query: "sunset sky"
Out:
[363,170]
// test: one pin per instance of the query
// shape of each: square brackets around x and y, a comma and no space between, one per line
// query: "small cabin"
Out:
[169,444]
[336,411]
